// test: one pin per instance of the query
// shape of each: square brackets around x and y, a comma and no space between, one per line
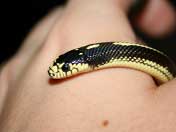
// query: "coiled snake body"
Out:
[114,54]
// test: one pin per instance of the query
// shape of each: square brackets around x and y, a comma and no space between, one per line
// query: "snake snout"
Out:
[52,72]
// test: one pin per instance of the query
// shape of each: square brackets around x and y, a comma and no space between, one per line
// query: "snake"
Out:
[103,55]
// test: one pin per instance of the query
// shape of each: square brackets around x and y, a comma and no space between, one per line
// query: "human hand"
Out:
[117,99]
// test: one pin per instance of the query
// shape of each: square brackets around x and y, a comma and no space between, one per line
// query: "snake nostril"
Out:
[54,64]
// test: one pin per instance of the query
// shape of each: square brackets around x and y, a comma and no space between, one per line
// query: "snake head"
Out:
[68,64]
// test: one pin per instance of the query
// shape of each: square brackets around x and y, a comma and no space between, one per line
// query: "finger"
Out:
[86,22]
[33,42]
[157,19]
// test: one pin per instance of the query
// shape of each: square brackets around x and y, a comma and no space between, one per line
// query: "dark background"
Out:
[18,17]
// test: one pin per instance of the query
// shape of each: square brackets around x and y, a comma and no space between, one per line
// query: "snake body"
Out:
[114,54]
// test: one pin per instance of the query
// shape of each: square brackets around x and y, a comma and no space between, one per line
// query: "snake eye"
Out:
[65,67]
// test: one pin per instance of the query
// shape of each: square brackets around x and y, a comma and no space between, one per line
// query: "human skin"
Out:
[113,100]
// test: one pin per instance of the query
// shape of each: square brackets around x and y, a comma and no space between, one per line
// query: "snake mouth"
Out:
[51,72]
[59,73]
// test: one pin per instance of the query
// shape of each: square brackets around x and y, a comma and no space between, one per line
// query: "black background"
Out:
[18,17]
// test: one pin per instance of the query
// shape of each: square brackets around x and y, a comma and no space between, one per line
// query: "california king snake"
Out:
[114,54]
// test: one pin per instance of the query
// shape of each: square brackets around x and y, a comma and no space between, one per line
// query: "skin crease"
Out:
[123,99]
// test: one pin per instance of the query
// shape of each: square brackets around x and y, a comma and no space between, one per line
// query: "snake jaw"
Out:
[56,72]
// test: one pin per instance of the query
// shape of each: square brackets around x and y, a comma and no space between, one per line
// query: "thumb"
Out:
[157,19]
